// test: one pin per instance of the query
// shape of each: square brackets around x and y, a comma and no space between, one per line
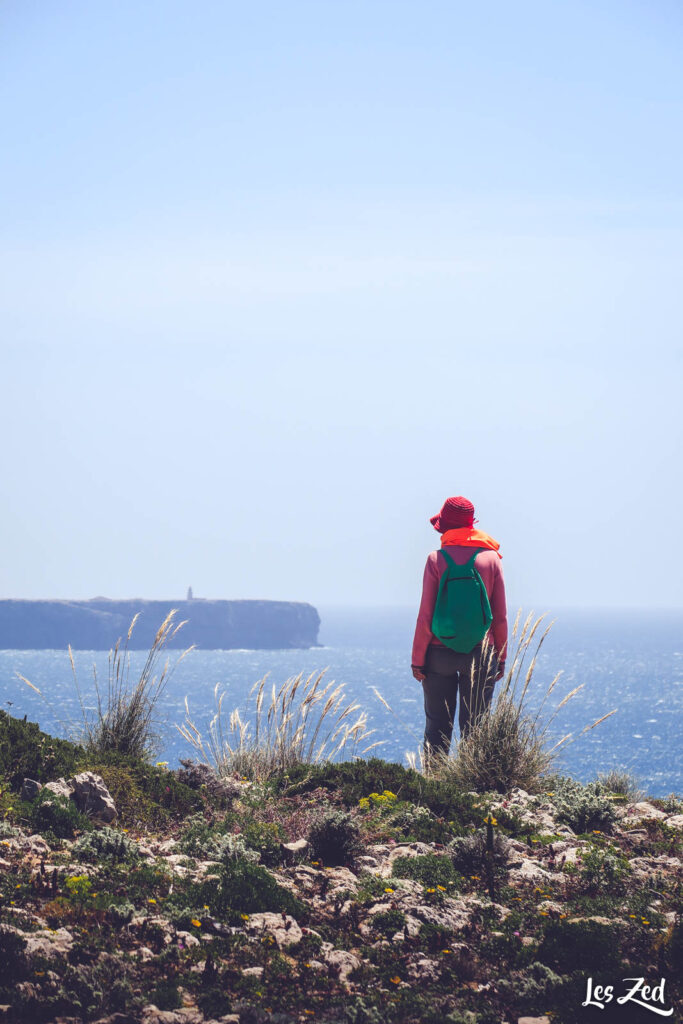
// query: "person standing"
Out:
[444,658]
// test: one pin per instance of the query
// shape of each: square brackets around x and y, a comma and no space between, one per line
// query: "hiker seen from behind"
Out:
[461,633]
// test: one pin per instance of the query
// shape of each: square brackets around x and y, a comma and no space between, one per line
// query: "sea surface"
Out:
[631,661]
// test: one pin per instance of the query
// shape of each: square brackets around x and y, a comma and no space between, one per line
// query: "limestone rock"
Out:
[295,848]
[92,796]
[30,789]
[530,871]
[451,915]
[151,1014]
[675,821]
[425,970]
[60,788]
[342,962]
[642,810]
[285,931]
[48,944]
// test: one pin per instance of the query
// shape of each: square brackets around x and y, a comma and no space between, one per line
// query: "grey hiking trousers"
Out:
[447,675]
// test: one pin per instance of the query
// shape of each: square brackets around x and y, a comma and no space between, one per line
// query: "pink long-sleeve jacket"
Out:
[487,564]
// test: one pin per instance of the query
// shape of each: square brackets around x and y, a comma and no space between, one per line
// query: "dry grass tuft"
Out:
[126,718]
[304,722]
[508,746]
[622,782]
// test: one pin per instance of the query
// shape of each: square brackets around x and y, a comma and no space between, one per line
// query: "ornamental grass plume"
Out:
[125,718]
[508,745]
[304,722]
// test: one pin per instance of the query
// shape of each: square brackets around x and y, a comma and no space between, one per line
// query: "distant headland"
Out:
[97,624]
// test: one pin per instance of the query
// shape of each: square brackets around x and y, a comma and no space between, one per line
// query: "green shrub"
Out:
[144,793]
[583,808]
[533,989]
[468,853]
[265,837]
[419,825]
[335,839]
[350,781]
[430,869]
[166,996]
[388,922]
[120,914]
[233,848]
[105,844]
[579,946]
[57,814]
[199,838]
[372,887]
[12,961]
[358,1011]
[27,752]
[242,888]
[120,995]
[602,868]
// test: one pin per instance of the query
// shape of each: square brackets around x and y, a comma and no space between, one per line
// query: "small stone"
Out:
[30,789]
[60,788]
[91,796]
[48,944]
[297,847]
[342,962]
[285,931]
[641,810]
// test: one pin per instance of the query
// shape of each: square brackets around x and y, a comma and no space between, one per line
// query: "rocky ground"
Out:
[352,893]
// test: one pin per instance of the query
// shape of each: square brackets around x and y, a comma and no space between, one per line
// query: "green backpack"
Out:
[462,613]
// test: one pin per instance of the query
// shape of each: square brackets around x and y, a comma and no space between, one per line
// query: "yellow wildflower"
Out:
[196,923]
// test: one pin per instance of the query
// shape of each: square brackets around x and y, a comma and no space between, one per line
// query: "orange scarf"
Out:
[467,536]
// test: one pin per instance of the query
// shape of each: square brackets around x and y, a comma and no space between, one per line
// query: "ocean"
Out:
[631,661]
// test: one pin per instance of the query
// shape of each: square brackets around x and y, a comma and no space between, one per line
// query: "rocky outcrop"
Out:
[211,625]
[87,791]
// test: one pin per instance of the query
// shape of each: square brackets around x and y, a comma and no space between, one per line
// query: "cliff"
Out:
[97,624]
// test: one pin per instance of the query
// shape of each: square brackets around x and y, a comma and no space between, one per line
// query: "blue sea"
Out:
[631,661]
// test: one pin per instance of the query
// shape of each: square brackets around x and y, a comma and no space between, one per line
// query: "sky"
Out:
[277,279]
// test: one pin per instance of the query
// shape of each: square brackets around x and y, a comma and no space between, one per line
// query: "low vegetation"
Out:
[209,906]
[275,885]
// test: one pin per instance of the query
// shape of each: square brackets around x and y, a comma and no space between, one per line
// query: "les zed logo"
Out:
[639,993]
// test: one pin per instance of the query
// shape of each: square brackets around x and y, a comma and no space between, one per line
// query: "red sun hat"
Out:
[454,512]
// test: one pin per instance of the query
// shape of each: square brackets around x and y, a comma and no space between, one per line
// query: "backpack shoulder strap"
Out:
[449,560]
[464,565]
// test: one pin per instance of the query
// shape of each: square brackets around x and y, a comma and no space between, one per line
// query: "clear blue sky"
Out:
[277,278]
